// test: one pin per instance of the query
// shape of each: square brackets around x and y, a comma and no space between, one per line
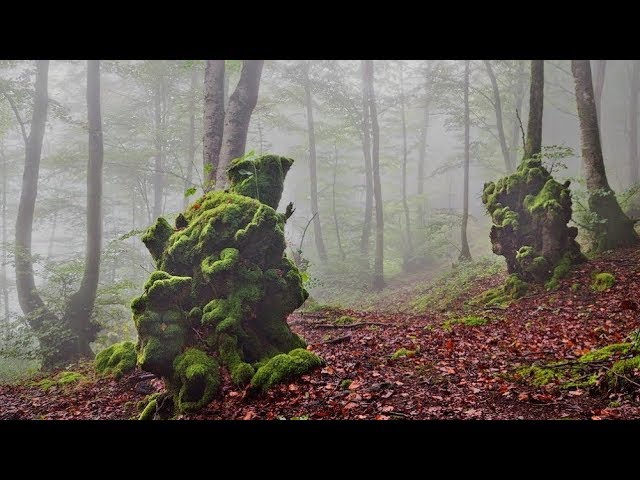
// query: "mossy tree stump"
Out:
[222,291]
[530,211]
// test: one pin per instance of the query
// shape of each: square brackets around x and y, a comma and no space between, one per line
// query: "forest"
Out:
[319,239]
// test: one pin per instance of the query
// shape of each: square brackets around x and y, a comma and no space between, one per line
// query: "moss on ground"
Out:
[118,359]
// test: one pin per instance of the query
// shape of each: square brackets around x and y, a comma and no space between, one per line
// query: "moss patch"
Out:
[344,320]
[118,359]
[402,353]
[603,281]
[284,367]
[198,379]
[61,379]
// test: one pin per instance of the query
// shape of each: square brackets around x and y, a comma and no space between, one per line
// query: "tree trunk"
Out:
[191,141]
[52,236]
[3,258]
[378,266]
[598,87]
[465,253]
[237,117]
[158,174]
[40,318]
[422,154]
[368,171]
[335,214]
[634,176]
[515,127]
[80,306]
[313,178]
[617,230]
[536,100]
[408,254]
[498,107]
[213,118]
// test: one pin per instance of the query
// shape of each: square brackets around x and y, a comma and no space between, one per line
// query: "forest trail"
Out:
[451,370]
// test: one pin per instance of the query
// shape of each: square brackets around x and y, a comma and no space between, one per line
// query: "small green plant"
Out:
[344,384]
[403,352]
[603,281]
[344,320]
[575,287]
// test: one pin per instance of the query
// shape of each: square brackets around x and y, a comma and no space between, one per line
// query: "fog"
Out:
[431,90]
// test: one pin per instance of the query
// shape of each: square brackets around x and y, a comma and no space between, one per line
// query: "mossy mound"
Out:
[530,211]
[61,379]
[512,289]
[118,359]
[223,290]
[402,353]
[469,321]
[603,281]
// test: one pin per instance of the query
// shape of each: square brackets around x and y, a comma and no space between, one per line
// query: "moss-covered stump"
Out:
[222,291]
[530,211]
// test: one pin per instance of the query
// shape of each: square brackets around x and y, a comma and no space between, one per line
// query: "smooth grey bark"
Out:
[368,169]
[52,236]
[3,257]
[213,119]
[497,103]
[237,117]
[634,174]
[408,254]
[335,213]
[80,306]
[422,153]
[378,264]
[465,253]
[313,176]
[536,99]
[191,140]
[600,67]
[519,99]
[158,171]
[617,230]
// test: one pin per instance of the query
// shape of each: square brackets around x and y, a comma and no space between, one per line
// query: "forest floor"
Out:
[451,370]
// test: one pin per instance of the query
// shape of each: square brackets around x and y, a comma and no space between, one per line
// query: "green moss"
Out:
[118,359]
[344,320]
[156,236]
[61,379]
[344,384]
[605,353]
[198,378]
[284,367]
[575,287]
[261,178]
[539,376]
[149,411]
[622,370]
[513,289]
[559,272]
[603,281]
[402,352]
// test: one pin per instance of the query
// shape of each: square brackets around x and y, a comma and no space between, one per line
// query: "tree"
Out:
[378,268]
[465,253]
[615,229]
[214,74]
[633,124]
[368,169]
[335,214]
[408,254]
[422,152]
[3,258]
[191,139]
[237,117]
[601,68]
[536,99]
[313,177]
[497,103]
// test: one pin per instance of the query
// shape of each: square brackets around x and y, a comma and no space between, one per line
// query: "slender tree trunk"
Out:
[498,107]
[422,154]
[519,99]
[80,306]
[158,175]
[237,117]
[368,170]
[3,257]
[598,87]
[536,100]
[378,266]
[191,141]
[42,320]
[213,119]
[634,176]
[617,230]
[313,177]
[465,253]
[408,254]
[52,236]
[335,214]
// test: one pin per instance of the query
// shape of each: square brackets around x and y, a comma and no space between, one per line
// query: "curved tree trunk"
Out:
[213,118]
[465,253]
[368,171]
[237,117]
[498,107]
[378,266]
[80,307]
[313,177]
[617,230]
[408,254]
[536,100]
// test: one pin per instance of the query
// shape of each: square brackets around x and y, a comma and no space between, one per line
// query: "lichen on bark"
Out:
[222,291]
[530,211]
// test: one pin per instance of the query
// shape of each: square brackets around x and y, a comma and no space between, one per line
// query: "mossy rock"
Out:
[223,290]
[603,281]
[118,359]
[530,210]
[285,366]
